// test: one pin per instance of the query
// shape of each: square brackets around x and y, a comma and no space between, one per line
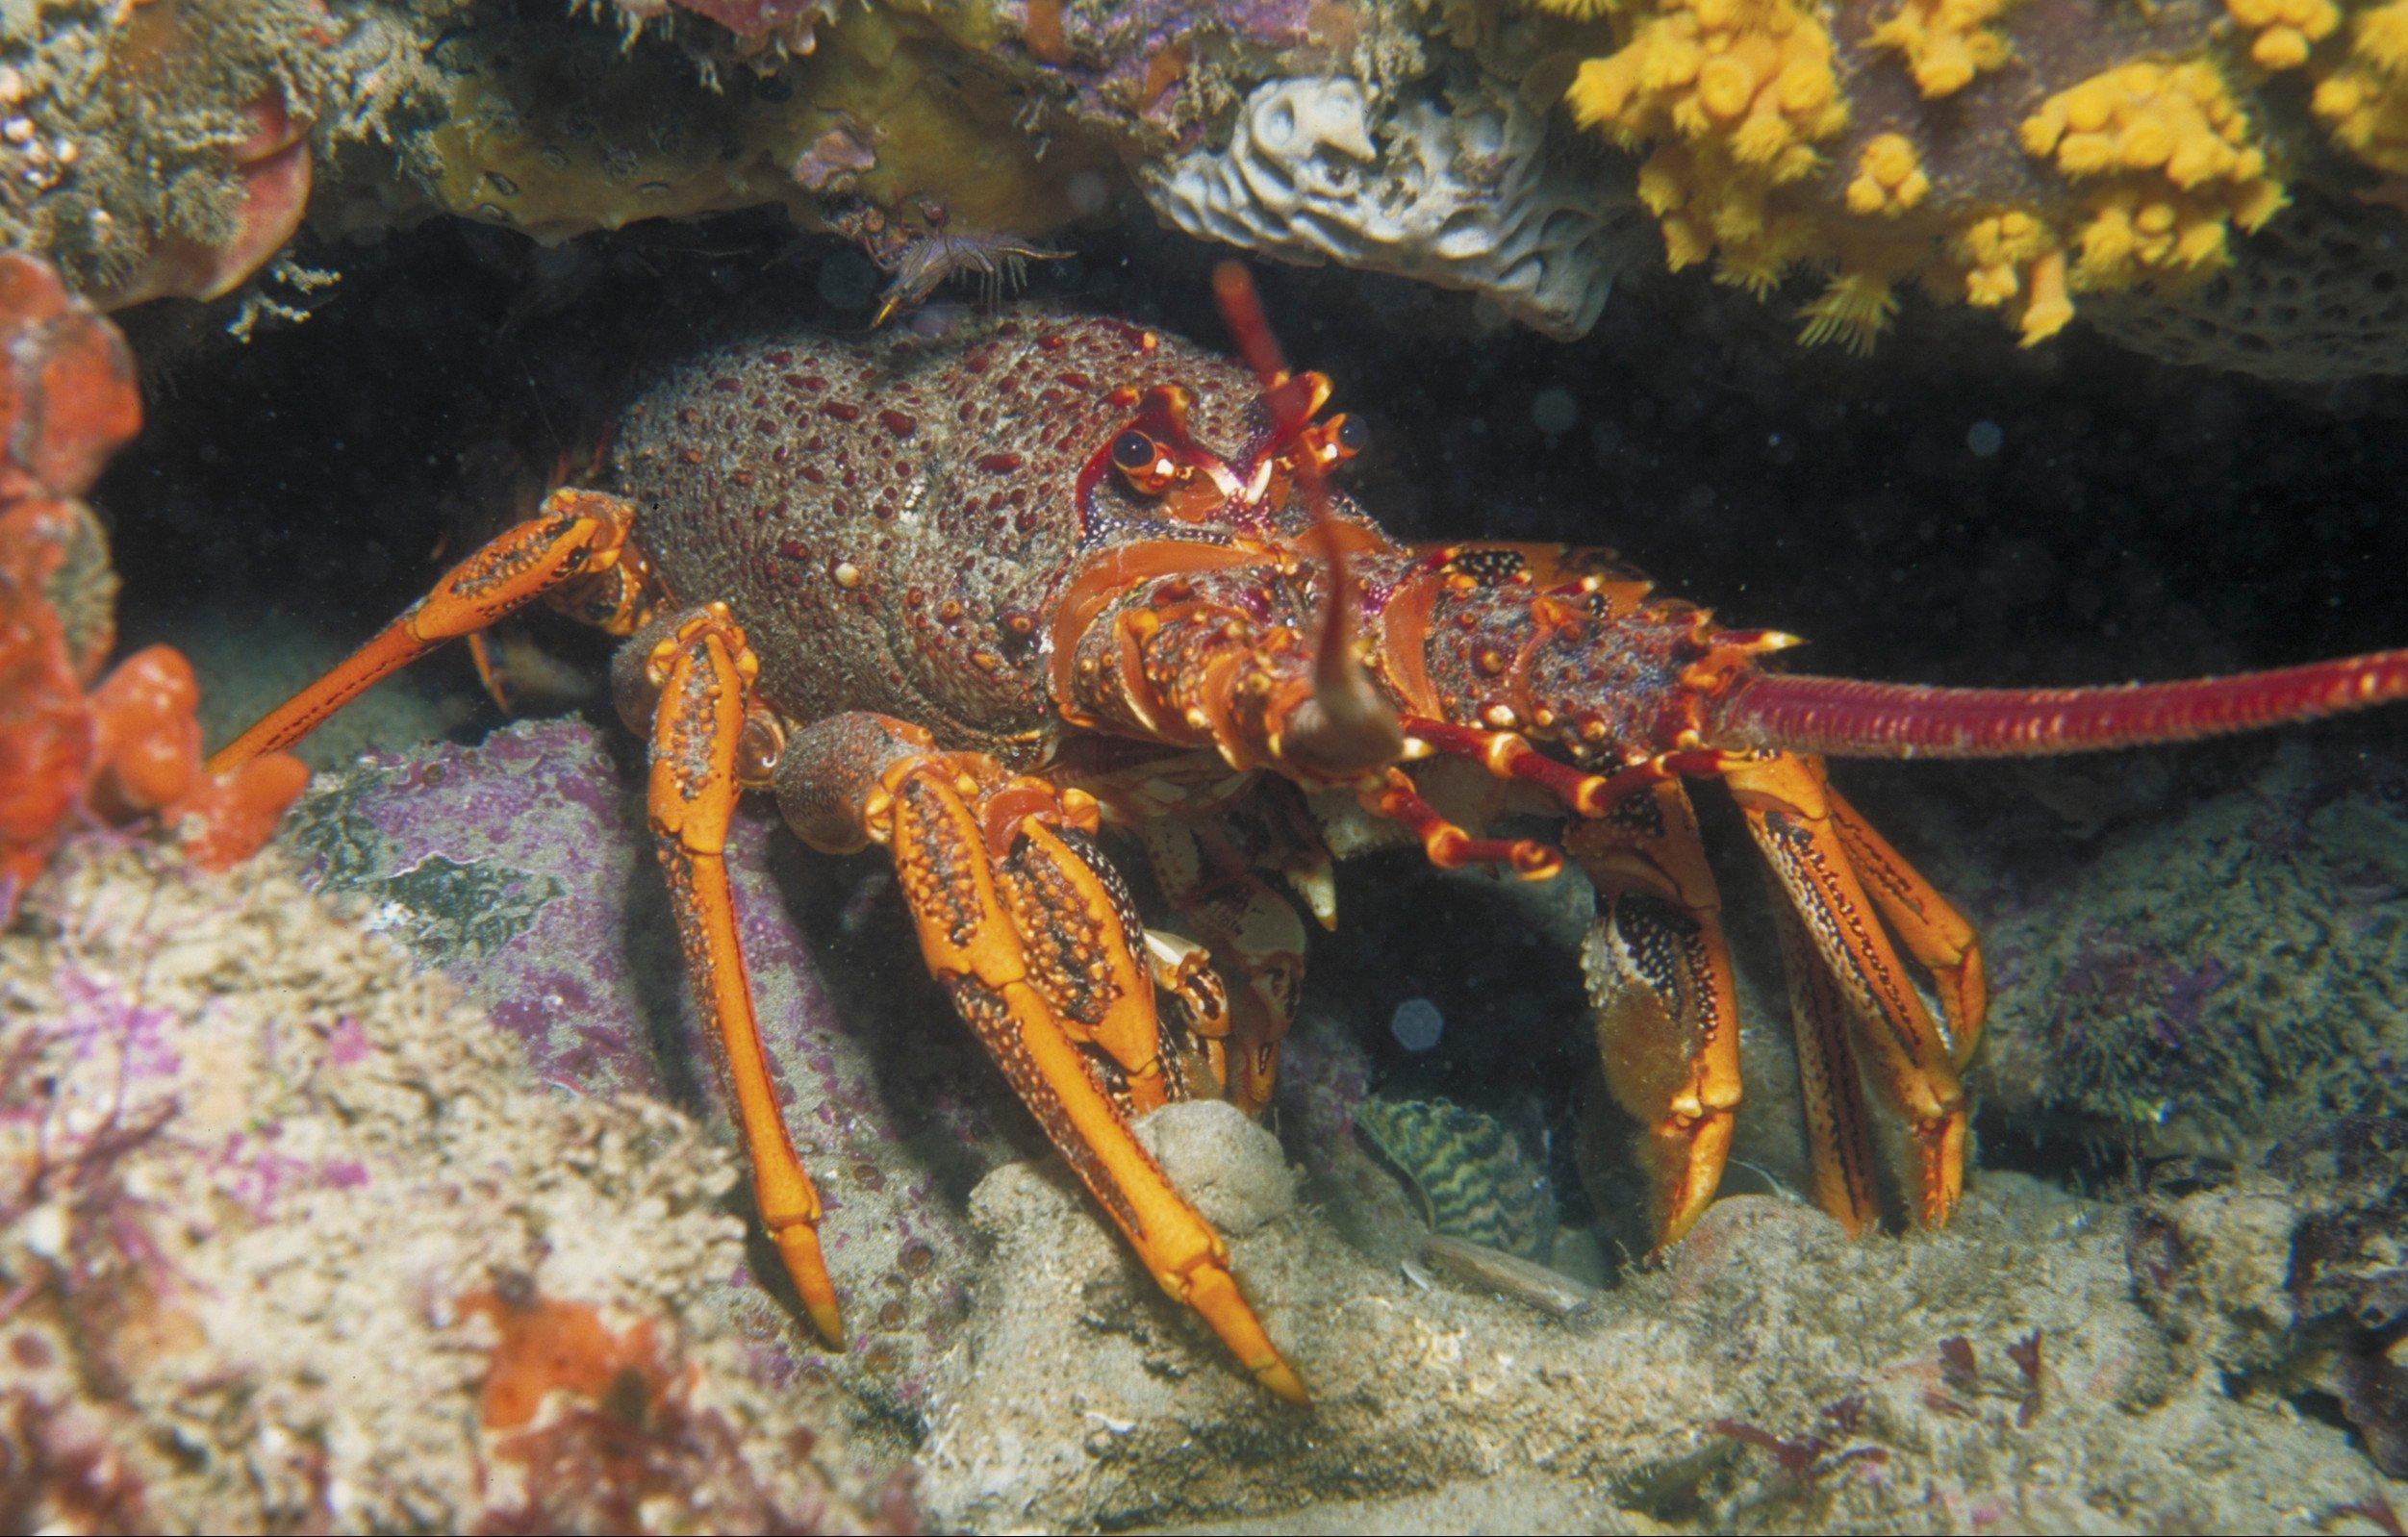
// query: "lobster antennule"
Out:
[1346,724]
[1841,718]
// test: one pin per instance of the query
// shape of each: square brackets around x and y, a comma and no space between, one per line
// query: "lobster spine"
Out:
[1841,718]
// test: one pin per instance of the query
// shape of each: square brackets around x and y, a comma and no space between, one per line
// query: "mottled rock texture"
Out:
[280,1213]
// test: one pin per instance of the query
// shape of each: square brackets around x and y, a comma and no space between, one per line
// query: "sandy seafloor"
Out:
[430,1051]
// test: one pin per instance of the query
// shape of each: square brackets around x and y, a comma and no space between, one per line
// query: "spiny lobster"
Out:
[972,600]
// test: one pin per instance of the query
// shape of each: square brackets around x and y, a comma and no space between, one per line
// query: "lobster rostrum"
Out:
[972,600]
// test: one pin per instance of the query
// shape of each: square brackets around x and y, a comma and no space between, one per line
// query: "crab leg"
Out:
[575,535]
[1790,812]
[1000,916]
[706,672]
[1660,987]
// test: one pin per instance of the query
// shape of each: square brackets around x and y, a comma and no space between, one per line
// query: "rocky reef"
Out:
[2185,970]
[1773,1374]
[387,1180]
[522,868]
[259,1156]
[272,1072]
[291,1237]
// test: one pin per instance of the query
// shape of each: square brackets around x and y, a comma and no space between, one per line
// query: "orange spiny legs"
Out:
[1934,933]
[1660,980]
[573,552]
[1023,922]
[705,674]
[1659,983]
[1839,1133]
[1799,828]
[578,536]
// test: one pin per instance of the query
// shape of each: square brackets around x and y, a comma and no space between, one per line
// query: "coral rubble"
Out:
[2292,1275]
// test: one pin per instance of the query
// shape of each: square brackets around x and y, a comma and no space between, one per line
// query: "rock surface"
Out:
[1771,1374]
[522,868]
[290,1238]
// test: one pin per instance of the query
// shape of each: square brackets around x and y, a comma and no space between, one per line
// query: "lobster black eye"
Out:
[1353,435]
[1133,451]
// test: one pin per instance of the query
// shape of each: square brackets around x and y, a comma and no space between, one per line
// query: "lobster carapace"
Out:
[973,599]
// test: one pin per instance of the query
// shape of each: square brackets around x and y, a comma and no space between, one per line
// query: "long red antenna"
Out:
[1844,719]
[1346,724]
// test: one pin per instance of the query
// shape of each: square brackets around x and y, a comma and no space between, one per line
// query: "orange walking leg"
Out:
[1788,811]
[1839,1137]
[1936,934]
[705,673]
[1006,894]
[577,536]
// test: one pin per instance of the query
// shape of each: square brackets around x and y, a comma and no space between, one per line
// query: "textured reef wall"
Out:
[1771,1372]
[258,1164]
[2185,975]
[158,150]
[2215,182]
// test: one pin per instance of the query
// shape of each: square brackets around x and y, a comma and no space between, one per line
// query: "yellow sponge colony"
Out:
[2282,32]
[2164,159]
[2133,161]
[2363,101]
[1946,42]
[1736,93]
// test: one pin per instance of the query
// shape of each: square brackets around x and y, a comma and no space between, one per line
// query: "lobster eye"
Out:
[1144,462]
[1351,436]
[1132,451]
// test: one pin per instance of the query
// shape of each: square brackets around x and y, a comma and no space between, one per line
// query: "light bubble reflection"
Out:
[1417,1025]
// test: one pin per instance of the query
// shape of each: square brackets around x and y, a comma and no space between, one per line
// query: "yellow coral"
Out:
[2012,261]
[2364,102]
[2169,166]
[1743,91]
[2150,164]
[2282,31]
[1890,177]
[1946,42]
